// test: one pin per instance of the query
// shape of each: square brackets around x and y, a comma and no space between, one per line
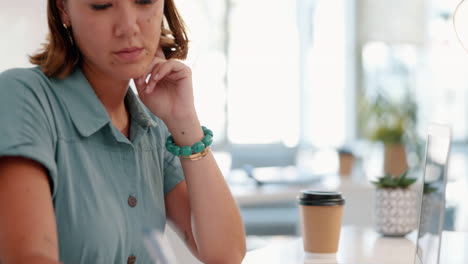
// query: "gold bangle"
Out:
[197,156]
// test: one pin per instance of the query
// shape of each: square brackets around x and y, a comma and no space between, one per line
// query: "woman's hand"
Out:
[168,93]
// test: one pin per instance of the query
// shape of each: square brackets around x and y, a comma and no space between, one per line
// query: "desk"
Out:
[261,217]
[247,193]
[360,246]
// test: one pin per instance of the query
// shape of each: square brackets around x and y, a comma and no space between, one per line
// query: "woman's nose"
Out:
[126,24]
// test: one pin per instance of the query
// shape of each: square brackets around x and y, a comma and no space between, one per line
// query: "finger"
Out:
[154,77]
[139,84]
[143,81]
[151,66]
[169,67]
[176,76]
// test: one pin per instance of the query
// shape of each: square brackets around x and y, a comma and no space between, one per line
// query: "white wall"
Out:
[23,27]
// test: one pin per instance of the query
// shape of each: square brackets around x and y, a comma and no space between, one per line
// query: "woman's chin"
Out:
[128,73]
[131,70]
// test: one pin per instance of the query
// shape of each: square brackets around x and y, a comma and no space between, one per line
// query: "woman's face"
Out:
[118,38]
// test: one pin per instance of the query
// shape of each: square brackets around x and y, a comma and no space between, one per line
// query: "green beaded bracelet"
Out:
[186,151]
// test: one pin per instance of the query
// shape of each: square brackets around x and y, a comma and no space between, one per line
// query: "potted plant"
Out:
[396,207]
[393,123]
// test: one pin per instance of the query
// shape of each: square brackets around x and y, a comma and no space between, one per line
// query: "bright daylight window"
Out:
[264,72]
[282,72]
[271,72]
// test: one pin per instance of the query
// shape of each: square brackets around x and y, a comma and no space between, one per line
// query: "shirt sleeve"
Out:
[25,116]
[173,173]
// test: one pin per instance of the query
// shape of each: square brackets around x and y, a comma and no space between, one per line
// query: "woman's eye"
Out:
[100,7]
[144,2]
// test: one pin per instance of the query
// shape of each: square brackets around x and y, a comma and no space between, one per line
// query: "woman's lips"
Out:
[129,54]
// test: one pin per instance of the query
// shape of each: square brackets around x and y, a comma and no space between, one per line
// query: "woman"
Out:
[85,165]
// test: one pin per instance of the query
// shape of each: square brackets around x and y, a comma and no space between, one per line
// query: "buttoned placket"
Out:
[131,197]
[132,171]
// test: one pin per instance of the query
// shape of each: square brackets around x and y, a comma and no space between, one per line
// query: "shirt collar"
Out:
[138,110]
[88,112]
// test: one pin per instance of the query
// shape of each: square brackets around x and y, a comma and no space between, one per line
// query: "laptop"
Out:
[432,211]
[434,181]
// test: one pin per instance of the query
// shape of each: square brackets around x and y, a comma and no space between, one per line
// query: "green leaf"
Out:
[428,188]
[376,182]
[404,174]
[390,181]
[407,182]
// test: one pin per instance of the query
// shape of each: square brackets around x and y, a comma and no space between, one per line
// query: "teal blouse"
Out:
[106,188]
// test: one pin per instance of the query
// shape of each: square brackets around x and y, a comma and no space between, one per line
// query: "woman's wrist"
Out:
[185,132]
[194,152]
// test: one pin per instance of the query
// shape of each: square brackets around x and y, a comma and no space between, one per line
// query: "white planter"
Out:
[396,211]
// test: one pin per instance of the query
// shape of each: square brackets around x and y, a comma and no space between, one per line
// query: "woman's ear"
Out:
[62,8]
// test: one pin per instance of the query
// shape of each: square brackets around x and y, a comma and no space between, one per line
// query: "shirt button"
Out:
[131,260]
[132,201]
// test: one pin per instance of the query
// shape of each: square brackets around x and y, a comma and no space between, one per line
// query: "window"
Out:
[266,73]
[444,96]
[280,72]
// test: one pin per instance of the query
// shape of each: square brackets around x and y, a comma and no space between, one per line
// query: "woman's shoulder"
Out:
[17,80]
[22,74]
[25,91]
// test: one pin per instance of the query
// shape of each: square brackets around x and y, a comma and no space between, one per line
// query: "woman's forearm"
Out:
[36,259]
[218,228]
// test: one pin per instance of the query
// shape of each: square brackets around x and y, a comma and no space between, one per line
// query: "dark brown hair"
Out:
[59,56]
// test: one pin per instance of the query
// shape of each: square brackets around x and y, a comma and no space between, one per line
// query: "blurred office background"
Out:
[281,84]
